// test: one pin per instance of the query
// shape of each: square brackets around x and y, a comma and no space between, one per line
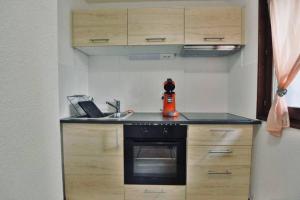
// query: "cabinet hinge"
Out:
[265,103]
[266,52]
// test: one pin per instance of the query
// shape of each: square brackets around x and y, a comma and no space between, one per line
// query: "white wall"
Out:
[276,161]
[165,3]
[202,83]
[73,65]
[30,166]
[231,83]
[276,165]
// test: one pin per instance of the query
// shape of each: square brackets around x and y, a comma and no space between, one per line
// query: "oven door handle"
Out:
[156,143]
[141,158]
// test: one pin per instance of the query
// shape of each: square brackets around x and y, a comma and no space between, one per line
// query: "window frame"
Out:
[265,69]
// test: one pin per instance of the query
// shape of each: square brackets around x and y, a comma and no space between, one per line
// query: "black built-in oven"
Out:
[155,154]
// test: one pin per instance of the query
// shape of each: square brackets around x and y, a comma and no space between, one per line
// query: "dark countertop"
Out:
[157,118]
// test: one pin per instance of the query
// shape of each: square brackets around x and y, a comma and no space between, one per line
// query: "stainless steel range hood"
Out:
[209,50]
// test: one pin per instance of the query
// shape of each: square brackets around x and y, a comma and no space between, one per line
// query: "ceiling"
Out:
[121,1]
[124,1]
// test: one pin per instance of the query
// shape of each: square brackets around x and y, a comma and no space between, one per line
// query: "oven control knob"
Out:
[146,130]
[165,131]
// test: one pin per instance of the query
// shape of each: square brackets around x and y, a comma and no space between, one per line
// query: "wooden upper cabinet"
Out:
[100,27]
[214,25]
[155,26]
[158,26]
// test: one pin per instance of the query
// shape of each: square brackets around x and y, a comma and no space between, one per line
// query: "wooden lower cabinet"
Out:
[216,171]
[93,162]
[94,168]
[154,192]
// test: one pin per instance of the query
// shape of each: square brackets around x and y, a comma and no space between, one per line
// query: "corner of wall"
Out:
[243,70]
[73,64]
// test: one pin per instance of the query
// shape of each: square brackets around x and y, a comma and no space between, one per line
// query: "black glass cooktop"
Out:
[183,118]
[155,117]
[213,117]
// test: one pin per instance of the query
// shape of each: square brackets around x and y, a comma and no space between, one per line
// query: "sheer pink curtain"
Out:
[285,22]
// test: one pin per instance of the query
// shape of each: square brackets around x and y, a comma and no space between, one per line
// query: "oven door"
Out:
[157,162]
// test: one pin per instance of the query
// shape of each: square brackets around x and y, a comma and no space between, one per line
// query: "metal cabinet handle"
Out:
[229,151]
[163,39]
[222,130]
[154,192]
[117,138]
[100,40]
[213,38]
[211,172]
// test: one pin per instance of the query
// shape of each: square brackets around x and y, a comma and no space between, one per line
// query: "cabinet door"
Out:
[155,26]
[213,25]
[99,28]
[218,172]
[93,161]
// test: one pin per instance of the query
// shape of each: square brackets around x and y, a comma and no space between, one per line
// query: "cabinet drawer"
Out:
[199,156]
[220,135]
[213,25]
[218,183]
[154,192]
[155,26]
[91,187]
[100,28]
